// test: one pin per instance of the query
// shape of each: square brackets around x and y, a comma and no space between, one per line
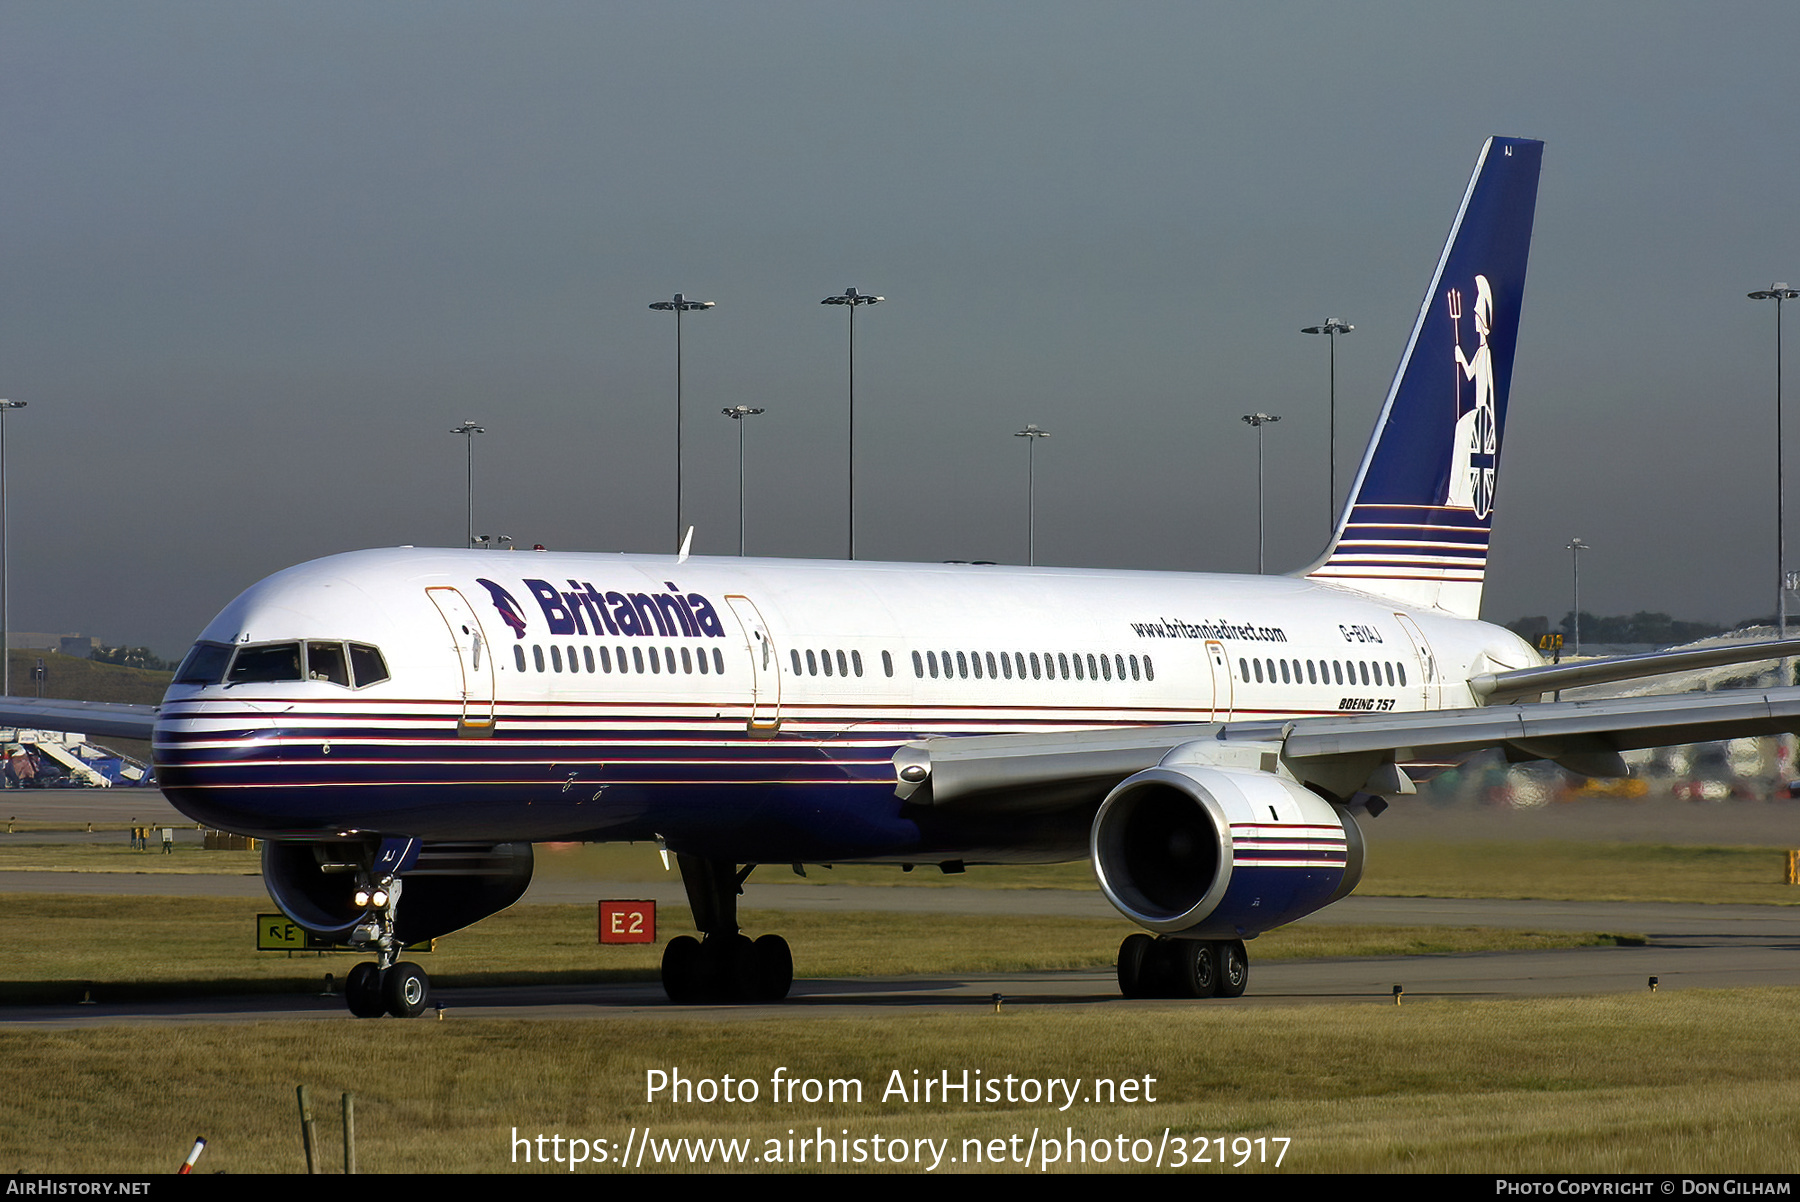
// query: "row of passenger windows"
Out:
[1325,671]
[352,665]
[1010,664]
[847,665]
[633,659]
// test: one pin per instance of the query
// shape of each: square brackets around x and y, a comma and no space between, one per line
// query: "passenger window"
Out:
[325,661]
[1134,668]
[718,662]
[1312,677]
[556,657]
[587,658]
[687,663]
[931,662]
[574,660]
[1006,665]
[1258,665]
[518,657]
[605,661]
[668,658]
[1284,673]
[1062,662]
[637,658]
[812,663]
[1402,670]
[1105,667]
[1149,672]
[855,661]
[700,658]
[887,664]
[841,665]
[976,656]
[962,665]
[918,666]
[1035,674]
[1077,658]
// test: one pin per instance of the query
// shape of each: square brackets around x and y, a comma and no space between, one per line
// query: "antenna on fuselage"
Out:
[687,542]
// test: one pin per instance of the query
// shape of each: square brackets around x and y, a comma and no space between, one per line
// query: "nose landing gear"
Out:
[383,987]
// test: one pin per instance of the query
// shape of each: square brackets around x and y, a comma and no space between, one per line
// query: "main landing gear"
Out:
[724,965]
[384,986]
[1182,968]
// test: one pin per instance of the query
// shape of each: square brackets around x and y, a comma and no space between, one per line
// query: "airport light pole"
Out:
[1031,434]
[5,551]
[678,306]
[468,430]
[1779,293]
[738,413]
[1259,420]
[1575,548]
[1332,328]
[854,300]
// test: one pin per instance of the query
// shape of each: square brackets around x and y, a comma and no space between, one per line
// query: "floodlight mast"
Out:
[1031,434]
[1258,421]
[1332,328]
[854,300]
[5,554]
[738,413]
[678,306]
[468,430]
[1779,293]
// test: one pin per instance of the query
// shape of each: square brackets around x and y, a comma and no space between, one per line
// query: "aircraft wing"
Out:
[1498,687]
[116,719]
[1343,755]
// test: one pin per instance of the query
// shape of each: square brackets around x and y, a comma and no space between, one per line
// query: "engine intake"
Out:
[450,886]
[1220,853]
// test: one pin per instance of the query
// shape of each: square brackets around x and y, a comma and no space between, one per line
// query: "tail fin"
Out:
[1415,529]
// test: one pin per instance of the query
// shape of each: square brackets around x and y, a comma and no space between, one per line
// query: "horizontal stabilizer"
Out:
[1495,688]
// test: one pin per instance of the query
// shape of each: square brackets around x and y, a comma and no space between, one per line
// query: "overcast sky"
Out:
[257,259]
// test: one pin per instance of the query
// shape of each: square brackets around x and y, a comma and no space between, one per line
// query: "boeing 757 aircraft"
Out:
[401,725]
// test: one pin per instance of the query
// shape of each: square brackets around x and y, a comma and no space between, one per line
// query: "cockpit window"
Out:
[370,667]
[271,662]
[325,661]
[205,664]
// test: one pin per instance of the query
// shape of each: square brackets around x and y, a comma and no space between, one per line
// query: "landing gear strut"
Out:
[384,986]
[724,965]
[1182,968]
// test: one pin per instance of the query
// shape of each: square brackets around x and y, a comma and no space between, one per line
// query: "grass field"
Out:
[62,946]
[1548,869]
[1682,1082]
[1689,1081]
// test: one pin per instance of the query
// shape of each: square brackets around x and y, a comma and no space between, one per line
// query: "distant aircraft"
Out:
[401,725]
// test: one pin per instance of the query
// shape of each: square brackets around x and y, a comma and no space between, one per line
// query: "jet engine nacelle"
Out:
[448,887]
[1221,853]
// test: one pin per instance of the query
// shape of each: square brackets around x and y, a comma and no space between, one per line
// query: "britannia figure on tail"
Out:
[1475,446]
